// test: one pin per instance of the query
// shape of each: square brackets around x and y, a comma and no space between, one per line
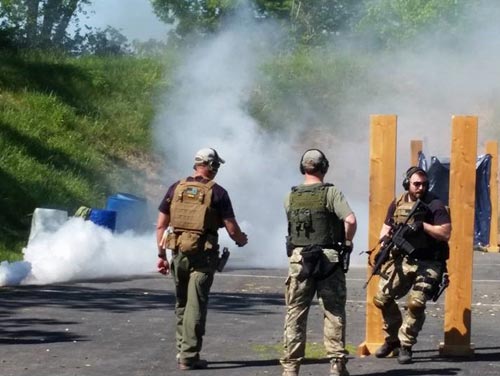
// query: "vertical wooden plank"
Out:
[492,149]
[383,134]
[457,320]
[416,148]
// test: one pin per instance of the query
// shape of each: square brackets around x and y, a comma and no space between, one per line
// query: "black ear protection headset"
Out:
[409,173]
[323,165]
[214,164]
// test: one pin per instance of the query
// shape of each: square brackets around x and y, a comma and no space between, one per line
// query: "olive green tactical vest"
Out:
[309,220]
[190,208]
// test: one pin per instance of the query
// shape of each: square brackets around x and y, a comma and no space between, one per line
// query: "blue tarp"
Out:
[439,184]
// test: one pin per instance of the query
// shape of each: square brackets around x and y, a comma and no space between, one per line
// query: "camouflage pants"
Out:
[193,278]
[402,276]
[331,293]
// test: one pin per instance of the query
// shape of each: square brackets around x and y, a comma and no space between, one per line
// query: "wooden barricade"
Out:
[383,132]
[415,149]
[457,320]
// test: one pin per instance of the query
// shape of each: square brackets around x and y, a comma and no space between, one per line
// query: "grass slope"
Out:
[68,128]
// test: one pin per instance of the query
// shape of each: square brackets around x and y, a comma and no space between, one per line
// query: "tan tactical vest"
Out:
[194,221]
[403,209]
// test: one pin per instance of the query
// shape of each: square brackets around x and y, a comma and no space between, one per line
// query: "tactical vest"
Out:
[309,220]
[403,209]
[194,221]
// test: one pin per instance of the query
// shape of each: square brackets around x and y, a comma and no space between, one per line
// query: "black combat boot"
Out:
[194,364]
[405,355]
[387,348]
[338,367]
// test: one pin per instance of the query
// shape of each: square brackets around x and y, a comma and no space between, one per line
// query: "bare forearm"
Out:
[234,232]
[161,226]
[439,232]
[350,226]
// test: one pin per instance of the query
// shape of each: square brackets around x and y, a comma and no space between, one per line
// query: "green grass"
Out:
[314,350]
[68,128]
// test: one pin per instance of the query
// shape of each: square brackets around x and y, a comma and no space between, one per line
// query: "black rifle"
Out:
[395,239]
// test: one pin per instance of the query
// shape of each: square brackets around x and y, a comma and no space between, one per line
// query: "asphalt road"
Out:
[126,327]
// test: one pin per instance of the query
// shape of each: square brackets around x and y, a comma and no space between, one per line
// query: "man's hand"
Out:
[163,266]
[242,240]
[416,226]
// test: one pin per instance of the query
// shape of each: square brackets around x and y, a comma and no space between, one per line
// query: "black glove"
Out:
[416,226]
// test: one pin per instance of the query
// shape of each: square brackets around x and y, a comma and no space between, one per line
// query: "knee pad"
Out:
[381,301]
[416,306]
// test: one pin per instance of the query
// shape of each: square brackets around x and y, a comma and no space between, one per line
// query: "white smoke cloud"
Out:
[80,250]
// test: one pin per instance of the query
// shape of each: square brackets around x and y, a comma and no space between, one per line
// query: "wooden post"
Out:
[457,320]
[382,184]
[492,149]
[416,148]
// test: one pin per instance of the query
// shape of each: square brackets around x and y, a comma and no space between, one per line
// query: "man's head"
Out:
[416,182]
[208,157]
[312,161]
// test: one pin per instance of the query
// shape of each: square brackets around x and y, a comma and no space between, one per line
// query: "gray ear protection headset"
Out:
[323,165]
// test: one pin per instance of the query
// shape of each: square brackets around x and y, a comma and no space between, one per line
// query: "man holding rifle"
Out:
[412,260]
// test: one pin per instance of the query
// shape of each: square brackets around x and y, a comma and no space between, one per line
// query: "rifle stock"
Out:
[395,239]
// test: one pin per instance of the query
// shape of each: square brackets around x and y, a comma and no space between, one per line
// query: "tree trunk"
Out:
[31,21]
[51,12]
[67,13]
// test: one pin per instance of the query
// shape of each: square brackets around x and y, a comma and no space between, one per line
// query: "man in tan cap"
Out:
[189,217]
[321,226]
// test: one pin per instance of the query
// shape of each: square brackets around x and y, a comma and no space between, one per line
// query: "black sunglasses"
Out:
[418,184]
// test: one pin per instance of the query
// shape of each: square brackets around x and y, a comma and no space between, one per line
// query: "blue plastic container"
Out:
[131,212]
[104,218]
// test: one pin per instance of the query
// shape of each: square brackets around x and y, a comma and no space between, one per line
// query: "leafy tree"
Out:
[308,20]
[39,23]
[392,22]
[109,41]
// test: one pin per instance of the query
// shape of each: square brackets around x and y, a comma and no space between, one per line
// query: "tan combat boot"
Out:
[338,368]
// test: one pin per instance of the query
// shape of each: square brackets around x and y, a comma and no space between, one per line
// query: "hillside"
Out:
[72,131]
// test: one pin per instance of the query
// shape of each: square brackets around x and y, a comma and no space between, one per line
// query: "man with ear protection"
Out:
[189,217]
[417,274]
[321,227]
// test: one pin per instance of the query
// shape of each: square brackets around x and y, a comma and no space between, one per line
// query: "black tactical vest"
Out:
[309,221]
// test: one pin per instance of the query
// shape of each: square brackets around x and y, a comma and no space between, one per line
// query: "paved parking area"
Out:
[126,327]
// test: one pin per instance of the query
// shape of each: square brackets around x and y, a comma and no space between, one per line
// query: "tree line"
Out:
[46,24]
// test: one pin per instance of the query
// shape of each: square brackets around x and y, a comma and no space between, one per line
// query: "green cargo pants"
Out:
[193,276]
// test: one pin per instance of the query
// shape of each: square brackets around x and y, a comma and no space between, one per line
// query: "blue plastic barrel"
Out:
[104,218]
[131,212]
